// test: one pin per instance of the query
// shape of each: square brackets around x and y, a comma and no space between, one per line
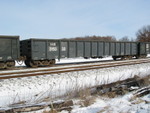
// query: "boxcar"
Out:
[43,52]
[9,51]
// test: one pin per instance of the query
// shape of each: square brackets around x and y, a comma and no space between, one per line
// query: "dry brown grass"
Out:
[86,98]
[144,82]
[88,101]
[51,111]
[110,95]
[84,93]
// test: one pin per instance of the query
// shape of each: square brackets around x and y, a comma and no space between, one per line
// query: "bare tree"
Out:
[133,39]
[124,39]
[143,34]
[100,38]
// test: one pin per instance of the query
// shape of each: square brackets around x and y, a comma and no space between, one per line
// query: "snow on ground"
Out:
[33,90]
[72,60]
[123,104]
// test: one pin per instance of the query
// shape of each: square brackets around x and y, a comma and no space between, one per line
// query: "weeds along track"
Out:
[67,104]
[64,69]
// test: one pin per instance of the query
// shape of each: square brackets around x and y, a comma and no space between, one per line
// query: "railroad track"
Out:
[61,64]
[64,69]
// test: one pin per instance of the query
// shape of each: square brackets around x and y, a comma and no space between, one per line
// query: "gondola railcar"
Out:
[43,52]
[9,51]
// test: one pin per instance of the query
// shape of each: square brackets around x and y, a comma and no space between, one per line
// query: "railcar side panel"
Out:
[127,49]
[5,49]
[101,49]
[63,49]
[53,50]
[133,48]
[118,49]
[106,48]
[15,49]
[80,49]
[94,49]
[112,48]
[87,52]
[147,47]
[122,48]
[38,50]
[72,49]
[142,48]
[9,48]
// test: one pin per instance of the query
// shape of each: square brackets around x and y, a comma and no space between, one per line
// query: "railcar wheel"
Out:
[123,58]
[53,61]
[128,57]
[33,63]
[44,63]
[10,64]
[3,65]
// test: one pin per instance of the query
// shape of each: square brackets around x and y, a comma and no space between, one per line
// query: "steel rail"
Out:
[76,66]
[67,69]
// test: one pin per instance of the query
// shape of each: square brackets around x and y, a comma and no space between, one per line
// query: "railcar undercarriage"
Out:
[7,64]
[39,63]
[128,57]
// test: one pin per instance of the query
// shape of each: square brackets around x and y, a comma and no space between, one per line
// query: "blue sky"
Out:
[71,18]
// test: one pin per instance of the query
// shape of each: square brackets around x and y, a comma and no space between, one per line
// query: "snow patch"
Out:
[33,90]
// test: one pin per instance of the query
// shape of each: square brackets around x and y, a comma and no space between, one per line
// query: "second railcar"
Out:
[43,52]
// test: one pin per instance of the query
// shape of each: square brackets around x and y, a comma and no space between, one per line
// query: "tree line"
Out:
[142,35]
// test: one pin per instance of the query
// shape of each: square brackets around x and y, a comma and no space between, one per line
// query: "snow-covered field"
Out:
[34,90]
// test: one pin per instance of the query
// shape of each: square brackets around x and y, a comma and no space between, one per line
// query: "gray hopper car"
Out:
[43,52]
[9,51]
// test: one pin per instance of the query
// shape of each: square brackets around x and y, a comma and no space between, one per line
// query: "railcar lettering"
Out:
[63,48]
[52,48]
[52,44]
[147,46]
